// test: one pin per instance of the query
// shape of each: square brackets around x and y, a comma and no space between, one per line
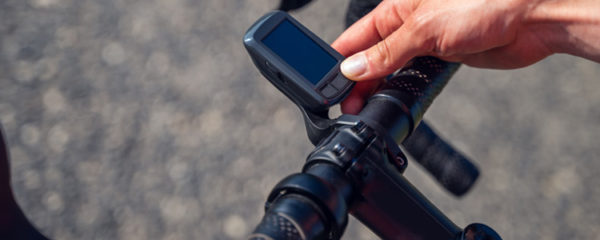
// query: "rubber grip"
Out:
[401,102]
[451,168]
[291,217]
[274,226]
[420,82]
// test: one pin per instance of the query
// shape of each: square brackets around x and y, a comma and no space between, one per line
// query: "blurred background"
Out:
[147,120]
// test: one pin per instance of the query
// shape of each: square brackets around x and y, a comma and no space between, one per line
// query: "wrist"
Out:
[567,26]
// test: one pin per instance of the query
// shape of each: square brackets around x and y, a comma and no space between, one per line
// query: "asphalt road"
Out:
[147,120]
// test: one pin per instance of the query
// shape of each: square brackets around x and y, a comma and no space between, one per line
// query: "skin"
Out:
[500,34]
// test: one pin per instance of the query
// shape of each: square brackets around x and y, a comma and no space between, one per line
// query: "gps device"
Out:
[297,62]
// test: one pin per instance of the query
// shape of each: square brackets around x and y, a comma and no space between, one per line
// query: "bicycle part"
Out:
[449,167]
[361,148]
[309,205]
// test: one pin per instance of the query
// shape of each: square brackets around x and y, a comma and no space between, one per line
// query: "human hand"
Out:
[480,33]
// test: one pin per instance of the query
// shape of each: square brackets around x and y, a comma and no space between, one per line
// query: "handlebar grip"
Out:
[452,169]
[291,217]
[401,103]
[420,82]
[275,226]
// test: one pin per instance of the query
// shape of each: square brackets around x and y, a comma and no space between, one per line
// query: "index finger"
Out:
[369,30]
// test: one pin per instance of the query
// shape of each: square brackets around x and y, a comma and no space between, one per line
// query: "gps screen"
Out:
[299,51]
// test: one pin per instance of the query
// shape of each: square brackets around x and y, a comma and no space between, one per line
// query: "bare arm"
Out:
[571,26]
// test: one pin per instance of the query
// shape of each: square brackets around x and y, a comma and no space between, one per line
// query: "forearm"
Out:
[568,26]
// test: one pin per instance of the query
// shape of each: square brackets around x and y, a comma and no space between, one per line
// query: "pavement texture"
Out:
[147,120]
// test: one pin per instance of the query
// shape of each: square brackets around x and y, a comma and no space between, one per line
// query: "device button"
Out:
[340,81]
[329,91]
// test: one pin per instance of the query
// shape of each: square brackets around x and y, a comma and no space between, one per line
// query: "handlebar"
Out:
[356,168]
[303,206]
[388,203]
[403,100]
[325,190]
[278,224]
[448,166]
[410,91]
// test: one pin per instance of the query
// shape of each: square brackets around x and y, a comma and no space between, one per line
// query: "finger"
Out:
[383,58]
[370,29]
[356,100]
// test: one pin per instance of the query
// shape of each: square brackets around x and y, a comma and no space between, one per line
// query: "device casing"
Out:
[279,73]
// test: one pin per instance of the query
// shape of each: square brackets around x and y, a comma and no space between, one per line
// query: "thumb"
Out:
[383,58]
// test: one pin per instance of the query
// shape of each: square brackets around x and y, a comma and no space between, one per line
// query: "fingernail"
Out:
[354,66]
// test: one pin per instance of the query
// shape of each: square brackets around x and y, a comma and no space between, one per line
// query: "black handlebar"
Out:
[403,100]
[293,217]
[449,167]
[304,206]
[399,107]
[357,167]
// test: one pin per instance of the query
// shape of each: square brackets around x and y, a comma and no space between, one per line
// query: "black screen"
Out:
[299,51]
